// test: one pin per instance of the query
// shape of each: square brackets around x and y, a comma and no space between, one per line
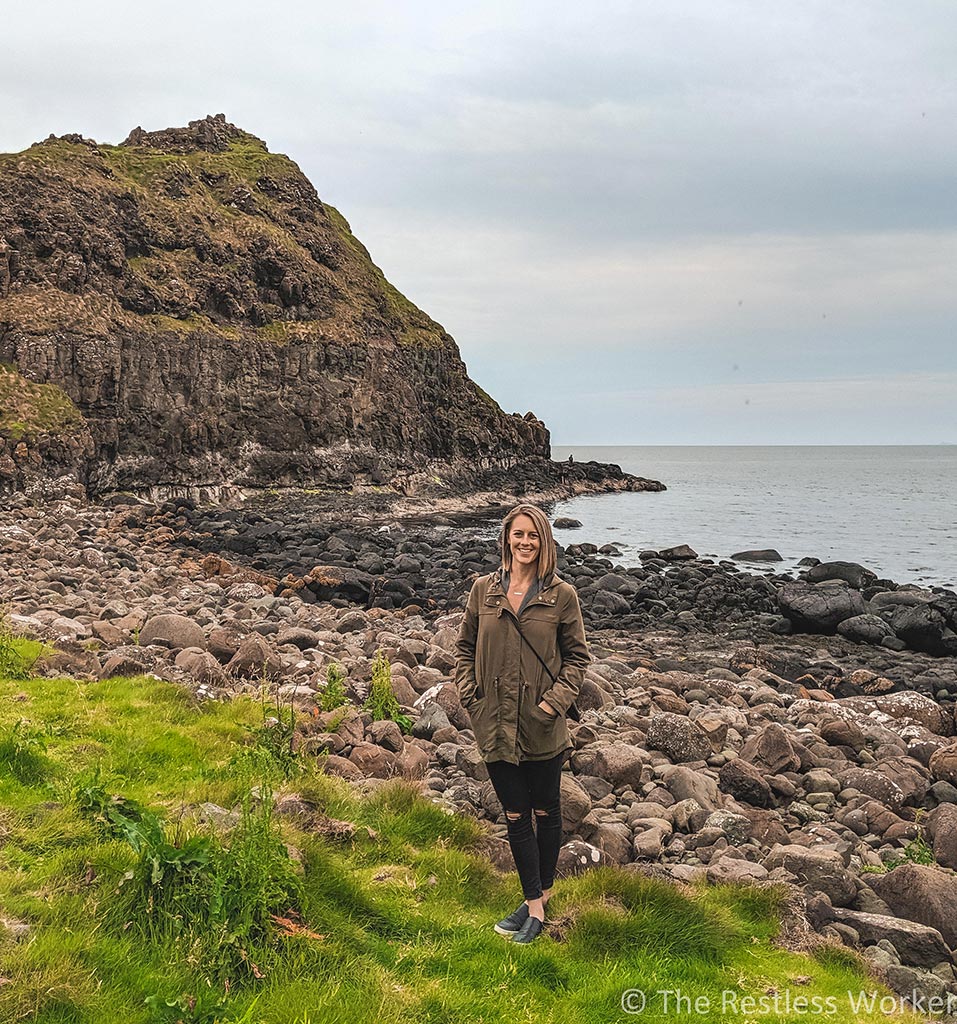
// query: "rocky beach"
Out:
[716,740]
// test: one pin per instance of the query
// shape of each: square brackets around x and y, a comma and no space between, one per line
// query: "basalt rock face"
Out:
[217,326]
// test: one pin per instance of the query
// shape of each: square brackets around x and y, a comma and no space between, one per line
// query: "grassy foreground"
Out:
[138,913]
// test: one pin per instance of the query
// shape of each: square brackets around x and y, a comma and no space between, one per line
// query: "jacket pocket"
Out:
[542,733]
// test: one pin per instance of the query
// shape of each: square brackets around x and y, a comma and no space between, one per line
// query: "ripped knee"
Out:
[513,815]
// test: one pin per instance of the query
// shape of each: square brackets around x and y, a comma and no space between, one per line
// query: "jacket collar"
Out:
[495,583]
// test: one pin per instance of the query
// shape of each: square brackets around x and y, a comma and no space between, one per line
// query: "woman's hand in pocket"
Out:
[543,705]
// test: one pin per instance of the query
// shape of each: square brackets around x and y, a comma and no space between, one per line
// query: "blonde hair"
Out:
[546,552]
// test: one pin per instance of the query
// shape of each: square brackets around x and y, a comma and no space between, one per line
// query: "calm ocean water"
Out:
[893,509]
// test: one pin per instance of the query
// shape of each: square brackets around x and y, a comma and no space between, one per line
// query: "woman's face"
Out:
[523,541]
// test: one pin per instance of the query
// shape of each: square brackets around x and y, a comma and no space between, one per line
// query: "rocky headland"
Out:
[180,314]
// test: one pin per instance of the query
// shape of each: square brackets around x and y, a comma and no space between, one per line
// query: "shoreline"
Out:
[713,745]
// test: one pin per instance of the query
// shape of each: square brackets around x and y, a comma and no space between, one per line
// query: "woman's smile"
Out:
[523,540]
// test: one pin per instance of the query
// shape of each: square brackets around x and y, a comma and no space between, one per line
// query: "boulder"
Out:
[202,666]
[386,734]
[821,869]
[121,665]
[903,707]
[172,631]
[736,827]
[375,761]
[865,629]
[819,607]
[757,555]
[851,573]
[924,628]
[873,784]
[915,943]
[838,732]
[255,659]
[620,763]
[734,871]
[329,581]
[678,738]
[679,553]
[744,781]
[686,784]
[576,857]
[614,839]
[342,767]
[431,718]
[942,826]
[943,764]
[575,802]
[921,893]
[224,642]
[771,751]
[413,762]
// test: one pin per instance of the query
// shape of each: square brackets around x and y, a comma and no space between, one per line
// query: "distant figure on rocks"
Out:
[521,657]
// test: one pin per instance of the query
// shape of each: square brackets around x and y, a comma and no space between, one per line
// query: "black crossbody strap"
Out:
[528,644]
[573,712]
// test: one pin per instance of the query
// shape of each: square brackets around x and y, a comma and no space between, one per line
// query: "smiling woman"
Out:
[521,660]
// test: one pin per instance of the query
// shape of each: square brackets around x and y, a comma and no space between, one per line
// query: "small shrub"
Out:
[334,692]
[916,851]
[381,702]
[217,899]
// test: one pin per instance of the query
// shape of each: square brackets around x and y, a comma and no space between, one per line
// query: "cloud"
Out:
[892,409]
[697,194]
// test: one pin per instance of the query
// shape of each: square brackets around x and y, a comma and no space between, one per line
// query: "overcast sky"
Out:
[649,222]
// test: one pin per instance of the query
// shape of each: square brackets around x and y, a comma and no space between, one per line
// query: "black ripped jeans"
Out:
[522,789]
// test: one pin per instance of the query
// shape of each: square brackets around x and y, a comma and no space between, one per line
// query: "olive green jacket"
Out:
[500,681]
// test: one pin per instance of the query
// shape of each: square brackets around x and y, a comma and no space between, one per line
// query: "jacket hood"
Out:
[495,582]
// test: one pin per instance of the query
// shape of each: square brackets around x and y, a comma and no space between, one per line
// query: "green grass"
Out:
[28,409]
[392,924]
[246,160]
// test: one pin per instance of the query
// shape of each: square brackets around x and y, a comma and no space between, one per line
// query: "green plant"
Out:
[15,660]
[23,751]
[274,737]
[381,702]
[334,692]
[916,851]
[206,1008]
[216,899]
[115,816]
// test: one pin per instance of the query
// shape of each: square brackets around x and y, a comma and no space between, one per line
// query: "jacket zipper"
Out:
[518,713]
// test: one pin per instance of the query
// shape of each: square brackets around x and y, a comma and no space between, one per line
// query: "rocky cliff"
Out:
[181,312]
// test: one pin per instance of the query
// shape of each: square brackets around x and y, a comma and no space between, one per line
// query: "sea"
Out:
[892,509]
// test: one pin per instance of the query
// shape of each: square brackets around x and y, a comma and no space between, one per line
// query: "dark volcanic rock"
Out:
[218,326]
[758,555]
[868,629]
[819,607]
[850,572]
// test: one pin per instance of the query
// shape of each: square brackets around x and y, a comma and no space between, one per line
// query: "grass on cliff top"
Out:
[389,926]
[28,409]
[248,160]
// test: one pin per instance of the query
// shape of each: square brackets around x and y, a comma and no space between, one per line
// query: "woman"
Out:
[521,659]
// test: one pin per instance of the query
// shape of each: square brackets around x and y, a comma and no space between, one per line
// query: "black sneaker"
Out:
[508,926]
[529,931]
